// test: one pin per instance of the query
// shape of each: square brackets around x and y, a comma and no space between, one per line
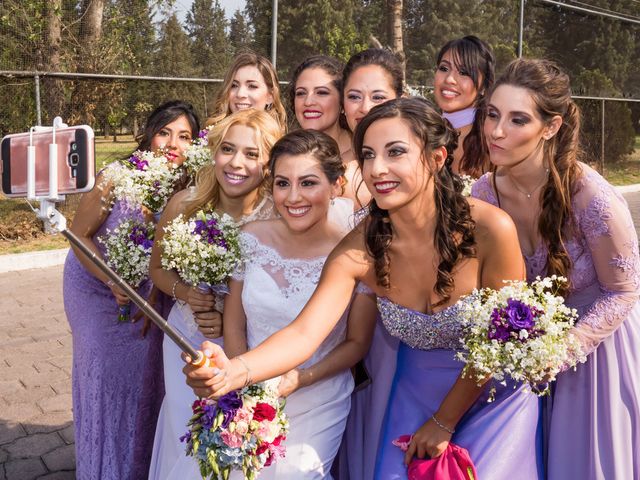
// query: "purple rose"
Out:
[498,330]
[209,412]
[138,163]
[519,315]
[203,133]
[229,404]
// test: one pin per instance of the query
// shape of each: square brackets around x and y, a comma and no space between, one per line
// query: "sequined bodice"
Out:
[420,330]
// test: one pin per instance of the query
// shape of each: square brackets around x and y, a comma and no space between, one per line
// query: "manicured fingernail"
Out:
[207,353]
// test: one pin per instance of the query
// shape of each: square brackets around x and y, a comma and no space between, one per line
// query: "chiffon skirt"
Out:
[594,430]
[503,437]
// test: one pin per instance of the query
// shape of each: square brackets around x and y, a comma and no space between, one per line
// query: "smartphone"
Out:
[76,161]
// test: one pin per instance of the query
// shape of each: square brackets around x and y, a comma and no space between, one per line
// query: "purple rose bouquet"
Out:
[521,331]
[127,252]
[204,250]
[243,430]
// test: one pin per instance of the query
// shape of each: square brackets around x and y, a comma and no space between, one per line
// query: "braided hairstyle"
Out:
[550,89]
[475,57]
[454,234]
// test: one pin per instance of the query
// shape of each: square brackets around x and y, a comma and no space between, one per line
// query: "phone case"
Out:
[76,161]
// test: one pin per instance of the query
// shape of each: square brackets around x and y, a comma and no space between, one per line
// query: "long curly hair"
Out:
[268,72]
[454,232]
[474,56]
[267,130]
[550,89]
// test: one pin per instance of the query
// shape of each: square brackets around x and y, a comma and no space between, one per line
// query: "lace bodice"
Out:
[604,251]
[420,330]
[276,289]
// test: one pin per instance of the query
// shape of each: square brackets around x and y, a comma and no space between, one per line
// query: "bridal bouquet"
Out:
[127,252]
[198,154]
[243,430]
[144,179]
[520,331]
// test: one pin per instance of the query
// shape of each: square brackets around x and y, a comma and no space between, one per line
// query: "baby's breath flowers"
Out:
[127,252]
[145,179]
[521,331]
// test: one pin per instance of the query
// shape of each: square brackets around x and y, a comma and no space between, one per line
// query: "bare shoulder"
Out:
[351,254]
[260,227]
[494,226]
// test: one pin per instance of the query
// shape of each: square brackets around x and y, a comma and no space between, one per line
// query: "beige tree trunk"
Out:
[394,16]
[91,22]
[87,94]
[52,88]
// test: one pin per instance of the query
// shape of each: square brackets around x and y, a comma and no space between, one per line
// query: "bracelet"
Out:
[446,429]
[247,379]
[173,290]
[110,283]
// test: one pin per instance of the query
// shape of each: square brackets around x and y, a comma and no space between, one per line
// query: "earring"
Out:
[268,106]
[333,201]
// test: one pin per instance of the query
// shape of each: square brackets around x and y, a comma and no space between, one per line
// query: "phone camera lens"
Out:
[74,160]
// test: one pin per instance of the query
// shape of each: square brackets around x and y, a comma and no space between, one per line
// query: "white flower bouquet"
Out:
[198,154]
[145,179]
[520,331]
[127,252]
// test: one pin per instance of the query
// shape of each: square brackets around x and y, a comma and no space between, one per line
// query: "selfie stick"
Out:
[54,219]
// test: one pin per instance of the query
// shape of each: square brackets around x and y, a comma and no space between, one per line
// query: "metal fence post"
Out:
[602,141]
[521,29]
[36,79]
[274,32]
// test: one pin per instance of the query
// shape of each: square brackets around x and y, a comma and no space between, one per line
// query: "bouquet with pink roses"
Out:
[242,430]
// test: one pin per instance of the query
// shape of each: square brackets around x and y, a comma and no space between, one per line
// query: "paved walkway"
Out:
[36,432]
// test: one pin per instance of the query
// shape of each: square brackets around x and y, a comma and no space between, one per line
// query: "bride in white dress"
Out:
[233,185]
[283,262]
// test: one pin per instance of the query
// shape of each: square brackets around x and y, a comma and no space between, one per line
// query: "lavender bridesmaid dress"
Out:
[593,426]
[117,385]
[503,437]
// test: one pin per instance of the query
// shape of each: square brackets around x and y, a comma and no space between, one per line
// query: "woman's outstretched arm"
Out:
[295,343]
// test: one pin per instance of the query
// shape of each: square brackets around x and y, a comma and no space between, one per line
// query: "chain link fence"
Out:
[111,72]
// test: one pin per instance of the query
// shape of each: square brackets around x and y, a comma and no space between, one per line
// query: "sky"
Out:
[230,6]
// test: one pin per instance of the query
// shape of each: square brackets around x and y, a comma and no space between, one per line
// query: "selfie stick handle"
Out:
[142,304]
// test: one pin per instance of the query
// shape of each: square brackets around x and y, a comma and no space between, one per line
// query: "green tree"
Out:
[240,35]
[206,25]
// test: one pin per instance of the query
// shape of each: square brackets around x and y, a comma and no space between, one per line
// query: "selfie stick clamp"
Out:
[54,220]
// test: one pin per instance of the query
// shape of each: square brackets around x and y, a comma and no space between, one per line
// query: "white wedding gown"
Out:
[169,460]
[275,290]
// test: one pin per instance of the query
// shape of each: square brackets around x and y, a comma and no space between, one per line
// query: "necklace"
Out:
[528,194]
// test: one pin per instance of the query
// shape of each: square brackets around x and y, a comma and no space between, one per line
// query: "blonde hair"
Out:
[267,131]
[268,72]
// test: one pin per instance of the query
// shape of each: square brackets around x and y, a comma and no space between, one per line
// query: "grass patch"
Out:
[627,171]
[108,151]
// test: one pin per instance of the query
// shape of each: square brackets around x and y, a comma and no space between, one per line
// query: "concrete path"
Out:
[36,432]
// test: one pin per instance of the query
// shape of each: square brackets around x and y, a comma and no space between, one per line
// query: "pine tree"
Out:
[206,25]
[239,32]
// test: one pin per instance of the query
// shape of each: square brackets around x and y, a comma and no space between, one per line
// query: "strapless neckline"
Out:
[422,314]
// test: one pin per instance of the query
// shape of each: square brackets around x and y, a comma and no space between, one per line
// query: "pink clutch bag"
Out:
[454,463]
